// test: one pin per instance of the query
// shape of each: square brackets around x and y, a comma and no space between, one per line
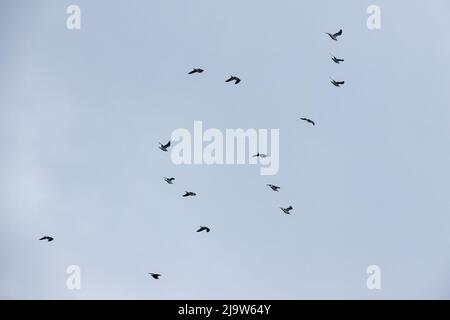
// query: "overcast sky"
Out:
[82,112]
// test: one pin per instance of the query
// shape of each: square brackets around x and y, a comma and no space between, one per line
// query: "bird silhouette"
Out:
[189,194]
[164,147]
[335,35]
[203,229]
[261,155]
[46,238]
[196,70]
[337,83]
[286,210]
[273,187]
[169,180]
[336,60]
[155,275]
[308,120]
[233,78]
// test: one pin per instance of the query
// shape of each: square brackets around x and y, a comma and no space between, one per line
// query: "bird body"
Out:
[335,35]
[273,187]
[286,210]
[155,275]
[308,120]
[169,180]
[164,147]
[196,70]
[46,238]
[233,78]
[189,194]
[203,229]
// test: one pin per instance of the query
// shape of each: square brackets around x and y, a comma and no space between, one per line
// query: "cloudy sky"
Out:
[82,112]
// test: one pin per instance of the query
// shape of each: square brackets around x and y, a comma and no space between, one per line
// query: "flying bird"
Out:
[308,120]
[47,238]
[155,275]
[337,83]
[164,147]
[336,60]
[169,180]
[335,35]
[273,187]
[189,194]
[196,70]
[235,79]
[286,210]
[203,229]
[261,155]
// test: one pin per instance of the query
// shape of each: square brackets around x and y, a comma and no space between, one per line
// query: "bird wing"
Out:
[193,71]
[238,80]
[340,82]
[167,145]
[339,33]
[231,78]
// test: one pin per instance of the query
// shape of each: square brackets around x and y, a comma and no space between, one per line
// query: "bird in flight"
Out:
[273,187]
[337,83]
[203,229]
[164,147]
[235,79]
[286,210]
[169,180]
[155,275]
[47,238]
[189,194]
[196,70]
[261,155]
[308,120]
[336,60]
[335,35]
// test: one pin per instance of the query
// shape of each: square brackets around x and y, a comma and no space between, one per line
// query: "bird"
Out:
[337,83]
[46,238]
[286,210]
[335,35]
[203,229]
[336,60]
[273,187]
[164,147]
[308,120]
[261,155]
[196,70]
[155,275]
[233,78]
[189,194]
[169,180]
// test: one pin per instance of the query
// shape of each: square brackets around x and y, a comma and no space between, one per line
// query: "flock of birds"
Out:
[236,80]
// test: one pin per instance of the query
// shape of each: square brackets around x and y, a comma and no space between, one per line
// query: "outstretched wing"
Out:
[167,145]
[231,78]
[237,80]
[339,33]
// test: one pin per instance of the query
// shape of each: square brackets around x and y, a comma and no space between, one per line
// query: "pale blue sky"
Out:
[81,114]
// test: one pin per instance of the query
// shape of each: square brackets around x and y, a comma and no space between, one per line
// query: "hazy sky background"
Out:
[81,114]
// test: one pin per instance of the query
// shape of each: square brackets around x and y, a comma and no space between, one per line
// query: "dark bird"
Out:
[169,180]
[164,147]
[261,155]
[196,70]
[286,210]
[274,188]
[334,36]
[189,194]
[336,60]
[235,79]
[308,120]
[155,275]
[47,238]
[203,229]
[337,83]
